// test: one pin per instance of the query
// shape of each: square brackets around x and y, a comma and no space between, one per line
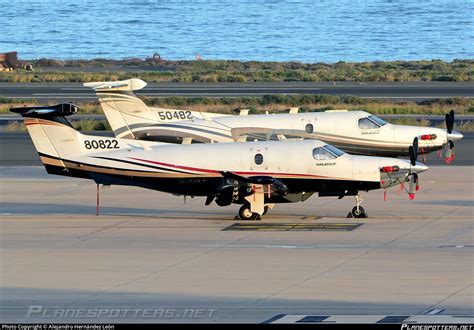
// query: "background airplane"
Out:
[356,132]
[254,174]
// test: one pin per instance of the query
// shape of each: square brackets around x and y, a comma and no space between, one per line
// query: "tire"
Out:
[358,214]
[246,214]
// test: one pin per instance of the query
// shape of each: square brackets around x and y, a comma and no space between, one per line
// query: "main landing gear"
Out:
[357,211]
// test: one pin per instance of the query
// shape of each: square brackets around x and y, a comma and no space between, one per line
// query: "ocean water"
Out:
[273,30]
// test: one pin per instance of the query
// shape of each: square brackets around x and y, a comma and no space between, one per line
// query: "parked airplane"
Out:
[254,174]
[356,132]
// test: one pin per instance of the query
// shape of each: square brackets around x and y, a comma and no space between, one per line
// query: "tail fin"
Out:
[121,106]
[56,140]
[52,134]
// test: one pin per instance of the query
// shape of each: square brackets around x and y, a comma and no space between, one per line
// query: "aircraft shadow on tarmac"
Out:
[77,209]
[28,208]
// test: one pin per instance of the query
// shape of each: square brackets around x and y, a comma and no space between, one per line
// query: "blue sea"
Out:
[274,30]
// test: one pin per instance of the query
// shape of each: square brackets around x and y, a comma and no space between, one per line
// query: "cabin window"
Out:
[309,128]
[258,159]
[366,123]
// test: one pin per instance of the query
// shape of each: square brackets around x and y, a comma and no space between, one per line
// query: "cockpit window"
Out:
[366,123]
[334,150]
[328,152]
[377,120]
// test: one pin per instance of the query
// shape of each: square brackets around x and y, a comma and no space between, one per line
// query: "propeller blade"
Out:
[449,152]
[413,151]
[413,186]
[450,121]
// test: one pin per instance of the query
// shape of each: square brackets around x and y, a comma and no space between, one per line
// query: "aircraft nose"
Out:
[455,136]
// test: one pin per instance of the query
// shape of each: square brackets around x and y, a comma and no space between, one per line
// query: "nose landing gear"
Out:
[246,214]
[357,211]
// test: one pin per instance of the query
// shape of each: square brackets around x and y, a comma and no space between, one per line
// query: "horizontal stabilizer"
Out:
[63,109]
[133,84]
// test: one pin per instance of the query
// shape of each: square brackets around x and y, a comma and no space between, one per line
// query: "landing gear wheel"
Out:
[358,213]
[246,214]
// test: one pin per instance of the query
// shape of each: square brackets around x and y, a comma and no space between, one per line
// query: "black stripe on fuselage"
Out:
[86,164]
[144,165]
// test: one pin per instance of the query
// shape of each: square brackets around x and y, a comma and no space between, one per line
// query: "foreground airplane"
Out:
[356,132]
[254,174]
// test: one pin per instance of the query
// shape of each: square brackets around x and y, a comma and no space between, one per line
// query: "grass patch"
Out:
[411,122]
[250,71]
[278,103]
[91,125]
[15,126]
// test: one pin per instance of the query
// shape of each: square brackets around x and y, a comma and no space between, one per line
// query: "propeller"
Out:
[414,182]
[413,151]
[414,186]
[450,121]
[448,149]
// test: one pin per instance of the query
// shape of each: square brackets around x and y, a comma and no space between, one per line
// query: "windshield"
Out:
[334,150]
[327,152]
[378,120]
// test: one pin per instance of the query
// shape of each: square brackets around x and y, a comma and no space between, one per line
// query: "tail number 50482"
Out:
[101,144]
[170,115]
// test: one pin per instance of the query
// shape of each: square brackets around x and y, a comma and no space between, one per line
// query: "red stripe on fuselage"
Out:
[217,172]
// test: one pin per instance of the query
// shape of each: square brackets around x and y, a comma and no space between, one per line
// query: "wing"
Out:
[239,134]
[278,186]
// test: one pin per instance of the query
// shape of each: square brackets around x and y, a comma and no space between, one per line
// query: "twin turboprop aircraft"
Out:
[257,175]
[355,132]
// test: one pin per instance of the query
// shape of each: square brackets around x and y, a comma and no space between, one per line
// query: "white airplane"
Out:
[254,174]
[356,132]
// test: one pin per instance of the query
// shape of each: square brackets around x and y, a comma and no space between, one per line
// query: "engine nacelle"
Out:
[228,193]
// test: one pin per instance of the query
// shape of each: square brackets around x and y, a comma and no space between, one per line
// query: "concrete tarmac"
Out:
[151,258]
[73,92]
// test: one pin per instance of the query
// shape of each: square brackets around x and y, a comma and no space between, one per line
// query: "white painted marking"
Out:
[93,96]
[177,89]
[371,319]
[433,311]
[354,318]
[75,94]
[289,319]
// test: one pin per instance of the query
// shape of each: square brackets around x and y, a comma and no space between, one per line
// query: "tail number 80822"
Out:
[101,144]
